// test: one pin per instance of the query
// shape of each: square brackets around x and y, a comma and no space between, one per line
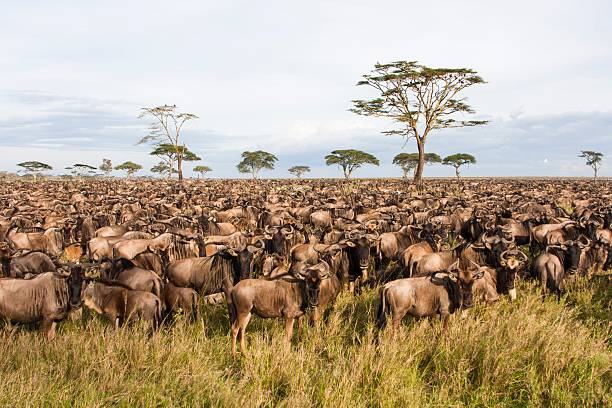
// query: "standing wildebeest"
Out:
[439,293]
[125,272]
[278,298]
[550,266]
[49,242]
[119,303]
[216,273]
[46,298]
[185,299]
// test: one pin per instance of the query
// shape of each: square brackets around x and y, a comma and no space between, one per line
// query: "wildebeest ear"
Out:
[350,243]
[479,274]
[452,276]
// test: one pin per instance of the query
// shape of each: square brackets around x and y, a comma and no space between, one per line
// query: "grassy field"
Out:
[532,352]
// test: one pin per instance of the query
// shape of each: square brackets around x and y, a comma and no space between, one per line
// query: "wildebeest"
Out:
[47,298]
[439,293]
[183,299]
[120,304]
[276,298]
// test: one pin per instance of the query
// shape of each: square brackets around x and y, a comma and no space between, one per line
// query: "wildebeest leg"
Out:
[243,327]
[116,322]
[48,327]
[444,315]
[288,330]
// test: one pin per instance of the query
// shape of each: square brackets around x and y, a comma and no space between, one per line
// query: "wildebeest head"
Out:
[242,256]
[496,243]
[465,278]
[574,249]
[312,277]
[75,283]
[514,261]
[358,245]
[277,238]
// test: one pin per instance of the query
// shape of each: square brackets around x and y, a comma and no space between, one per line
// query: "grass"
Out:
[533,352]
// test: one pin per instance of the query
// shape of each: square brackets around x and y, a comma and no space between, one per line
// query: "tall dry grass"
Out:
[532,352]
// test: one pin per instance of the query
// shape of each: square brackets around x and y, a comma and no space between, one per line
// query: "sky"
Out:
[280,76]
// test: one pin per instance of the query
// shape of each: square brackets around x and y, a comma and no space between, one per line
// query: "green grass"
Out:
[533,352]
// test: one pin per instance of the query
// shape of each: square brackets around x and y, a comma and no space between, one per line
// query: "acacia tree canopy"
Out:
[410,161]
[420,99]
[80,169]
[34,167]
[349,160]
[166,128]
[129,167]
[202,170]
[457,160]
[254,162]
[164,168]
[299,170]
[593,159]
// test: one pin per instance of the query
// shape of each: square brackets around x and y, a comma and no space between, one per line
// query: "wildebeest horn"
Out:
[454,266]
[583,241]
[475,264]
[287,230]
[352,235]
[270,230]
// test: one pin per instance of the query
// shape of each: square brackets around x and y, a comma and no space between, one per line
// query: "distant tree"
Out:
[409,161]
[420,99]
[167,153]
[34,168]
[254,162]
[129,167]
[350,160]
[80,169]
[297,171]
[458,160]
[202,170]
[106,167]
[167,126]
[163,168]
[593,159]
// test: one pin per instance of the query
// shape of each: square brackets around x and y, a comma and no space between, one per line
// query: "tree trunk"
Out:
[179,165]
[595,176]
[418,173]
[457,173]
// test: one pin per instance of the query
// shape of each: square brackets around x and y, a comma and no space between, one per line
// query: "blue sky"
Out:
[279,76]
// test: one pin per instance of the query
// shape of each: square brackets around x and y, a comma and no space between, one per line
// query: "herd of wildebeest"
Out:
[150,250]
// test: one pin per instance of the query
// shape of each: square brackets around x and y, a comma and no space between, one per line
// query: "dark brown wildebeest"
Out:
[46,298]
[439,293]
[120,304]
[277,298]
[216,273]
[185,299]
[31,263]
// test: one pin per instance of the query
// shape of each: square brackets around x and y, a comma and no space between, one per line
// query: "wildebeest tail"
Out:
[231,306]
[383,309]
[195,307]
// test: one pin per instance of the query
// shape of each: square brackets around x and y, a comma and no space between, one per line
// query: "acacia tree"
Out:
[420,99]
[457,160]
[129,167]
[167,126]
[297,171]
[350,160]
[202,170]
[593,159]
[409,161]
[254,162]
[167,153]
[106,167]
[163,168]
[34,168]
[80,169]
